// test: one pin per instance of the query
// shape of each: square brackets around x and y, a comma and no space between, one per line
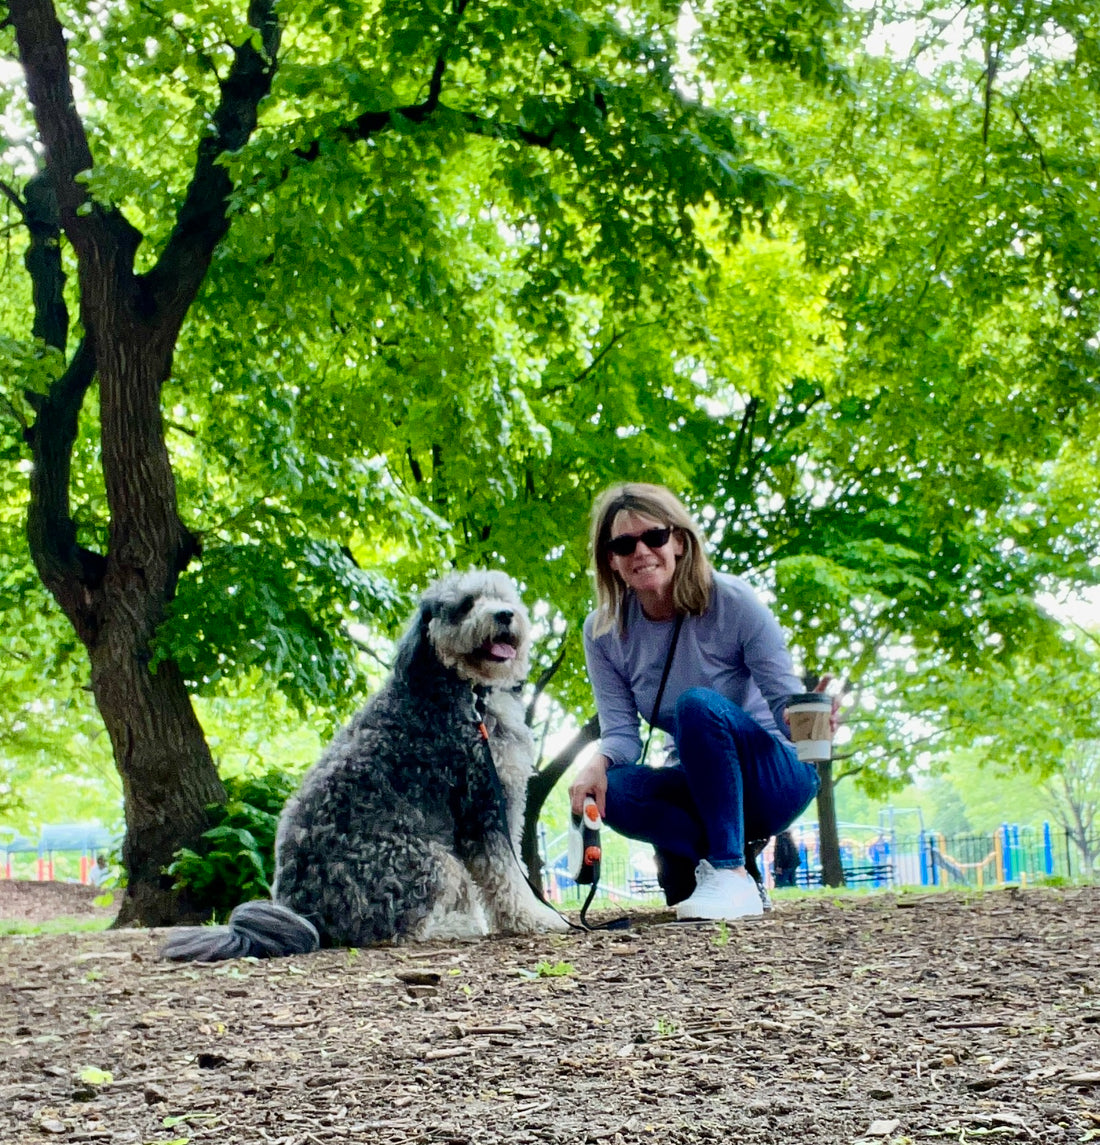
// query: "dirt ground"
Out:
[872,1018]
[23,901]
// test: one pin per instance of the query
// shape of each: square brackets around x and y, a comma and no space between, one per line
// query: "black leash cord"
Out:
[502,804]
[622,923]
[591,896]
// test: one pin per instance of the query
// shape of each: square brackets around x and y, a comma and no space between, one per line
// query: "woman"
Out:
[664,613]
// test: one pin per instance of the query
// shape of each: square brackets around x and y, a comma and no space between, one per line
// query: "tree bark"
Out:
[168,775]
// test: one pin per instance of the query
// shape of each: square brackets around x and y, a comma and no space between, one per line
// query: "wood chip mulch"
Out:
[879,1018]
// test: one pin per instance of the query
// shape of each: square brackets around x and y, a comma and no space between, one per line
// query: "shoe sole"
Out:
[718,917]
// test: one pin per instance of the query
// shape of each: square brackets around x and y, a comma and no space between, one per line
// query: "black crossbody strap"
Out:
[661,686]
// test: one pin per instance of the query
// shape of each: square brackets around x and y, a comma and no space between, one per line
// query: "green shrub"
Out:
[236,860]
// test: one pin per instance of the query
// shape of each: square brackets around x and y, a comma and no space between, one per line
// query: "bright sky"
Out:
[1081,608]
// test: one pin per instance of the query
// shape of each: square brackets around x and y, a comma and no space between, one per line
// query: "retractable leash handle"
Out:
[585,852]
[584,844]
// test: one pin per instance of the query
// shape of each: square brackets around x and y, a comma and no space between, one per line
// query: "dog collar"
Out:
[480,694]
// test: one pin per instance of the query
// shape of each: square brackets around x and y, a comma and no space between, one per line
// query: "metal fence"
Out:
[1011,854]
[885,859]
[620,881]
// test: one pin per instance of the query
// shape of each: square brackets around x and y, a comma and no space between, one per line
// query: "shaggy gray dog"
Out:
[409,825]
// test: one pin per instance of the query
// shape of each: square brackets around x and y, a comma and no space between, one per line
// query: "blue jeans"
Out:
[734,782]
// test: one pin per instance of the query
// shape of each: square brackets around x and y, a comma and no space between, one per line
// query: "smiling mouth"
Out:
[497,650]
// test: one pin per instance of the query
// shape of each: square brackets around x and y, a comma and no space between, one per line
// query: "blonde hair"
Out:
[692,580]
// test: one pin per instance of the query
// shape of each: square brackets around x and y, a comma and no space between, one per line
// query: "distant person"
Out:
[100,872]
[664,616]
[786,860]
[879,855]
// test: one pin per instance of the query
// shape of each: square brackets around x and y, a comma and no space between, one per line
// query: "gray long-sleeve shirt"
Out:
[736,647]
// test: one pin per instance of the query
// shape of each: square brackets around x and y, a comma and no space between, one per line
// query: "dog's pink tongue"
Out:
[503,651]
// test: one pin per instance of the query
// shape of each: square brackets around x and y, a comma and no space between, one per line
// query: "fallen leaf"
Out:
[882,1128]
[90,1075]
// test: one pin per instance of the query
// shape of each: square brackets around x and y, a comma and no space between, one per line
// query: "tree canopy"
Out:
[304,304]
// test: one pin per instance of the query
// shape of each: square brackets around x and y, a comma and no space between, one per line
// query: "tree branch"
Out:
[545,676]
[597,358]
[992,62]
[42,53]
[168,28]
[744,432]
[43,262]
[70,572]
[99,231]
[11,194]
[203,217]
[16,413]
[374,122]
[847,773]
[1029,135]
[435,85]
[544,779]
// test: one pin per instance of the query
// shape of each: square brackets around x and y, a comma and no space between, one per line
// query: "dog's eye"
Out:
[462,608]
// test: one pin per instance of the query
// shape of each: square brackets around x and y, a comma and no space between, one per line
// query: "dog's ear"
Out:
[414,640]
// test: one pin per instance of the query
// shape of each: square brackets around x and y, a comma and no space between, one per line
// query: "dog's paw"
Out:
[550,922]
[538,919]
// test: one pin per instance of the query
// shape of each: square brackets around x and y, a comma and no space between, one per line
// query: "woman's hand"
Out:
[834,715]
[590,780]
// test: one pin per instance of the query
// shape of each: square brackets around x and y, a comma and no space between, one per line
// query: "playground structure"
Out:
[85,840]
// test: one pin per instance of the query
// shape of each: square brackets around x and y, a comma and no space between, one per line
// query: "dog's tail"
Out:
[255,929]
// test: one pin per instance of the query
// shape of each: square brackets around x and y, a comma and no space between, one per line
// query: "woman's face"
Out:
[647,570]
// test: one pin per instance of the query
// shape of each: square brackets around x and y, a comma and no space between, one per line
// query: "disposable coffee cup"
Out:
[810,715]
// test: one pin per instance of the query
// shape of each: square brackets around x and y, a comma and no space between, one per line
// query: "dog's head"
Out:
[476,624]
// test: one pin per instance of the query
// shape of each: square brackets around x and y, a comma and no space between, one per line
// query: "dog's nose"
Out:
[504,617]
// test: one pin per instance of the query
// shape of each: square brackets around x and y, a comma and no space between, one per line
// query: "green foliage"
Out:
[237,860]
[54,926]
[280,610]
[548,969]
[841,303]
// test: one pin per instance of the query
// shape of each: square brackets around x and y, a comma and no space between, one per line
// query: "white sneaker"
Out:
[721,893]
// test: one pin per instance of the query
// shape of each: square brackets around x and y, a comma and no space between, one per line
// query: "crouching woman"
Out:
[698,655]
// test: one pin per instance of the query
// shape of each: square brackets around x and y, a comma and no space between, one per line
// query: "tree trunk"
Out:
[115,603]
[832,871]
[168,779]
[168,775]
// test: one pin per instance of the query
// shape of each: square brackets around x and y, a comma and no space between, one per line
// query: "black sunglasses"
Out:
[625,543]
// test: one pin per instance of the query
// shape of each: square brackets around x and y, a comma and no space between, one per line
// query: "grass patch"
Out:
[9,927]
